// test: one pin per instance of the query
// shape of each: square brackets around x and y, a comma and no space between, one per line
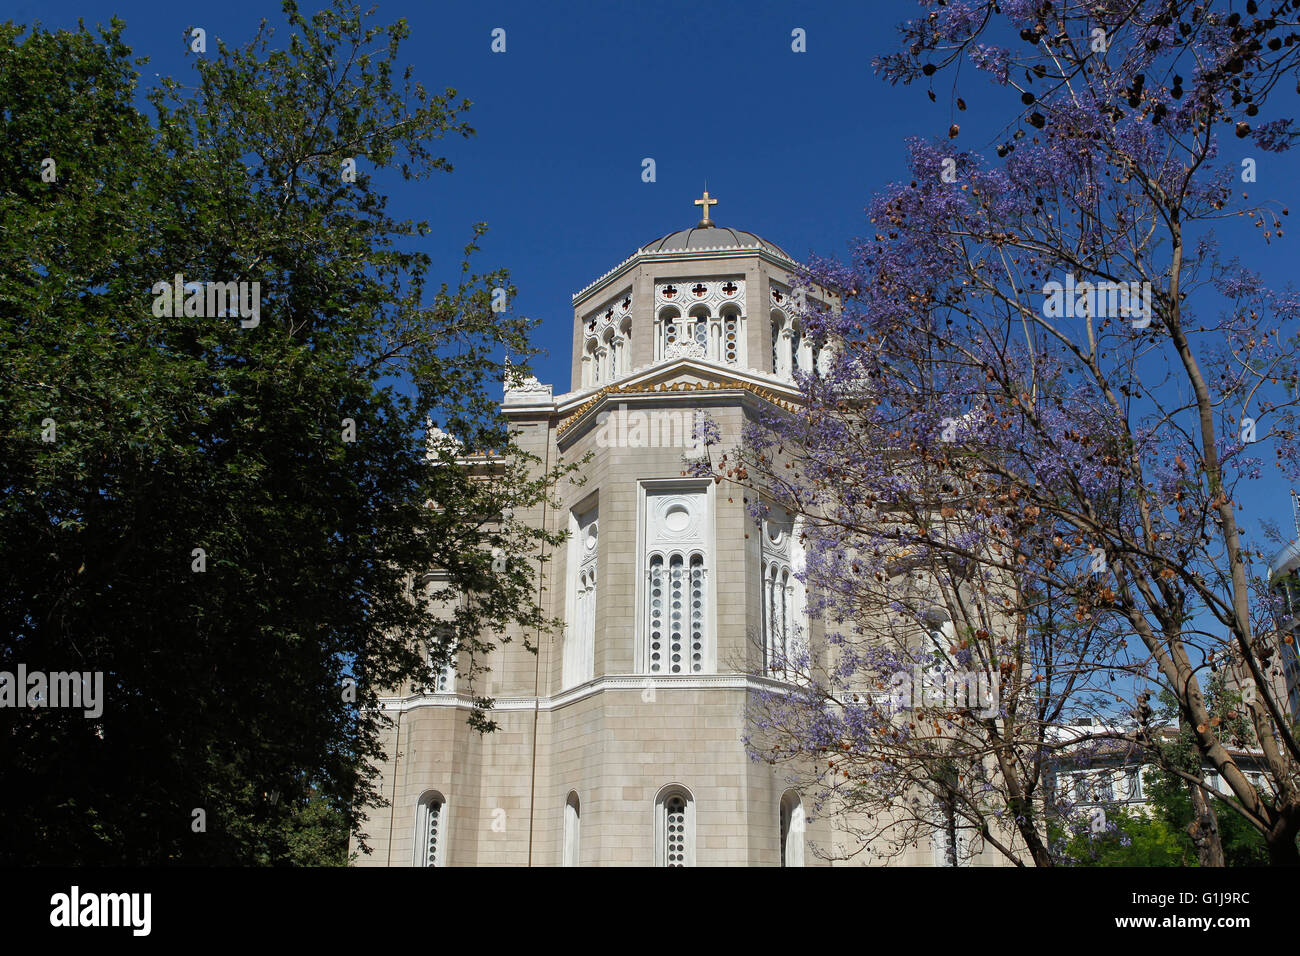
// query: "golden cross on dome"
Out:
[706,202]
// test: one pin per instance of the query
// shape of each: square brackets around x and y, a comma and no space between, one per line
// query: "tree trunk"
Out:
[1027,825]
[1282,849]
[1204,828]
[950,824]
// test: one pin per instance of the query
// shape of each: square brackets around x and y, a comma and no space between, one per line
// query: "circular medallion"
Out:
[677,518]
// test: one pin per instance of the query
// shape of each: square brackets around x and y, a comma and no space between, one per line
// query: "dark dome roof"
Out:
[711,237]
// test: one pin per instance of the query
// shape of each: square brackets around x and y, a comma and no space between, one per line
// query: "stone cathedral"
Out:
[621,741]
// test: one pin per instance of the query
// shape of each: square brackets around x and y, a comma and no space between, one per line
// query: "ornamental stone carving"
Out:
[714,293]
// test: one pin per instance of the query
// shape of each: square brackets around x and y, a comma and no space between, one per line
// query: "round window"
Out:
[677,518]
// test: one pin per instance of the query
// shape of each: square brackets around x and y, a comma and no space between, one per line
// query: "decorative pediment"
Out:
[683,376]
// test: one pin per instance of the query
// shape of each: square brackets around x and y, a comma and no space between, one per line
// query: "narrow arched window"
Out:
[621,340]
[442,661]
[674,827]
[695,335]
[777,326]
[445,678]
[781,599]
[656,602]
[572,823]
[792,829]
[431,830]
[784,347]
[591,364]
[817,356]
[607,360]
[666,332]
[676,626]
[730,351]
[697,613]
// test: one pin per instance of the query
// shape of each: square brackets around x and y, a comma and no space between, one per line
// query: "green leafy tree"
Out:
[1177,829]
[1130,839]
[224,516]
[1186,806]
[1161,837]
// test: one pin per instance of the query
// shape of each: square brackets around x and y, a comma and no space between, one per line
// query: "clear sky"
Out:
[793,145]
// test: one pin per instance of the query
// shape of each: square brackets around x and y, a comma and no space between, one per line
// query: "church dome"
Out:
[711,237]
[707,235]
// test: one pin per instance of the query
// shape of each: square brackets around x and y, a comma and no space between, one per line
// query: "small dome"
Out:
[711,237]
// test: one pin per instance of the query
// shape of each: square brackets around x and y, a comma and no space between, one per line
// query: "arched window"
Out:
[775,618]
[667,328]
[731,349]
[431,830]
[1133,783]
[677,603]
[807,352]
[674,827]
[622,338]
[782,343]
[792,829]
[590,364]
[607,356]
[825,356]
[1082,792]
[572,822]
[781,598]
[695,340]
[777,326]
[444,677]
[941,634]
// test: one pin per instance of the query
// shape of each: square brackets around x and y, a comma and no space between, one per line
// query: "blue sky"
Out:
[793,145]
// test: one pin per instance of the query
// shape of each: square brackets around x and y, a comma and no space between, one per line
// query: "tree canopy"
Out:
[226,516]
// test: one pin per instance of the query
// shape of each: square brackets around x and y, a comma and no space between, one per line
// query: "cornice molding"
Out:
[663,388]
[638,683]
[711,252]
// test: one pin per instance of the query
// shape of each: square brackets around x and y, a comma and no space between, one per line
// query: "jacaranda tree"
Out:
[1053,393]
